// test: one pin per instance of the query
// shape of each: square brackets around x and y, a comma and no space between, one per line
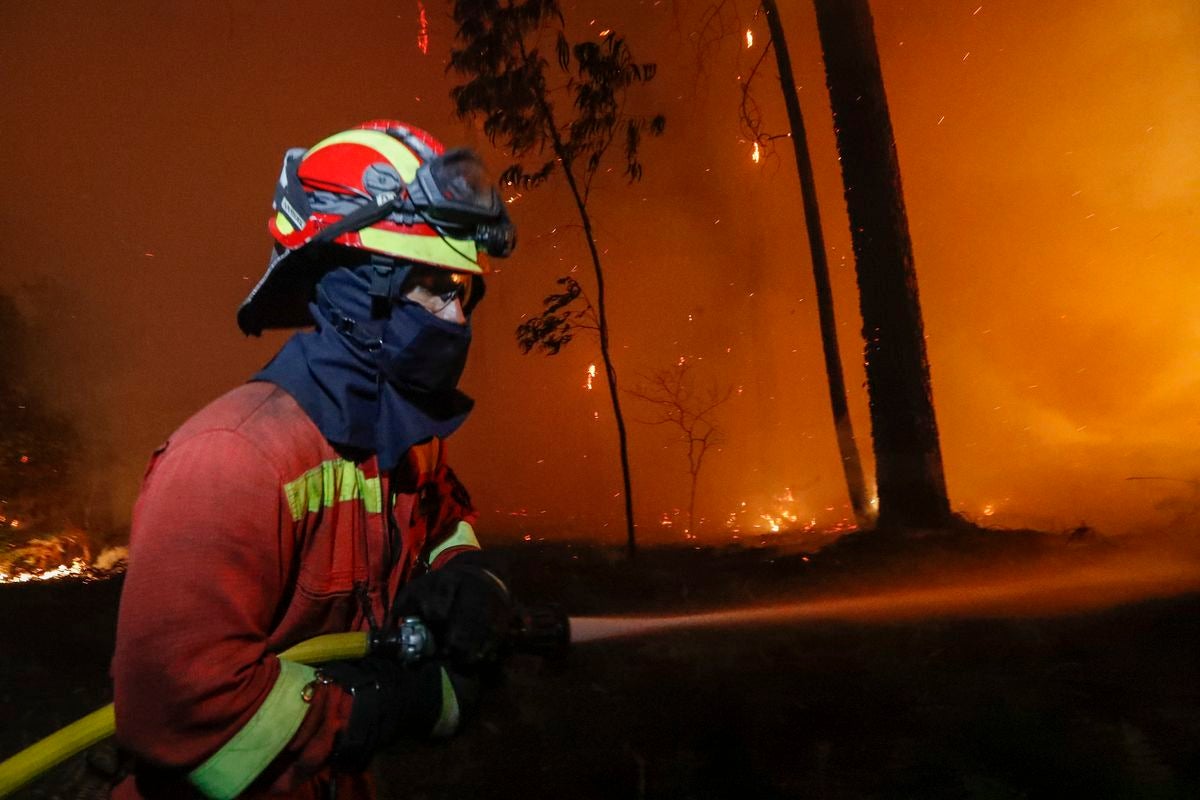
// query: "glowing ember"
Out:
[756,154]
[591,375]
[423,34]
[749,38]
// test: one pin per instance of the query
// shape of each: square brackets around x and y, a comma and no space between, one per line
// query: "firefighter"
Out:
[316,498]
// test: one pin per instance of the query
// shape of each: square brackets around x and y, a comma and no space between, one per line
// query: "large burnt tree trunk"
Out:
[908,458]
[847,447]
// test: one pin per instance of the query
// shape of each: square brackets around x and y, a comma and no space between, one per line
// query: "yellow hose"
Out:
[56,748]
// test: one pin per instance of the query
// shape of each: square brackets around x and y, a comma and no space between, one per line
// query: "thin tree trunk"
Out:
[692,505]
[908,458]
[847,447]
[610,371]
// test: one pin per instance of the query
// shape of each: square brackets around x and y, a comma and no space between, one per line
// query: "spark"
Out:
[989,510]
[756,154]
[24,459]
[976,11]
[605,32]
[964,58]
[591,376]
[749,38]
[423,33]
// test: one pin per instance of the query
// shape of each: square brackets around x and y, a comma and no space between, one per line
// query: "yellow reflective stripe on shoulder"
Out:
[331,482]
[243,758]
[463,536]
[447,723]
[459,254]
[401,157]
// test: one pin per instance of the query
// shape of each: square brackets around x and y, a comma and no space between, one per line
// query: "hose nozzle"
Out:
[542,631]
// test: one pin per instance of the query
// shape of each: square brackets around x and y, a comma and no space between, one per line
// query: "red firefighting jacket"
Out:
[251,534]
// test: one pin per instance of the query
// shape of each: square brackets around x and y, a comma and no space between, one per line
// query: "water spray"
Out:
[547,631]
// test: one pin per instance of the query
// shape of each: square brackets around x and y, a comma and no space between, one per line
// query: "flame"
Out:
[756,154]
[423,34]
[35,559]
[77,568]
[591,375]
[749,38]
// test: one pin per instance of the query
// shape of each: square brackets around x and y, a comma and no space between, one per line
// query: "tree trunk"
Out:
[692,505]
[908,458]
[847,447]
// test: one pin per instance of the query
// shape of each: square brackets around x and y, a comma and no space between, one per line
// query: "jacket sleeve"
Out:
[210,550]
[453,529]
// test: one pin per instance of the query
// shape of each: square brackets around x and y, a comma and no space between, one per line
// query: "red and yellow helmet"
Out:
[383,187]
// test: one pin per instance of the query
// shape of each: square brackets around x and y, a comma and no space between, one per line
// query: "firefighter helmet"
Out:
[387,190]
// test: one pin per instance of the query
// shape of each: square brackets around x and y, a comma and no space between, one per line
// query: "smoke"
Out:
[1049,171]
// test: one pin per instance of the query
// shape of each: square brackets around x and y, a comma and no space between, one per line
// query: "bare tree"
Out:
[507,85]
[677,401]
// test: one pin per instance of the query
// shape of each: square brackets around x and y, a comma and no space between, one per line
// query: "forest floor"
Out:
[965,664]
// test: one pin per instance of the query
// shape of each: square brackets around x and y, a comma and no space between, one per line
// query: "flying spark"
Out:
[423,33]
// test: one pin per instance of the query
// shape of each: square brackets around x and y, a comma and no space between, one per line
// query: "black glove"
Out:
[392,700]
[466,607]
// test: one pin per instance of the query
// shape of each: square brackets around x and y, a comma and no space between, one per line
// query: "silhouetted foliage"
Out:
[554,328]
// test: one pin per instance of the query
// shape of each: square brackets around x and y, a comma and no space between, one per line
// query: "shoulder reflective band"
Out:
[447,723]
[243,758]
[463,536]
[331,482]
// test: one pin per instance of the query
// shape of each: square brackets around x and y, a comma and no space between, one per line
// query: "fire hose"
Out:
[543,631]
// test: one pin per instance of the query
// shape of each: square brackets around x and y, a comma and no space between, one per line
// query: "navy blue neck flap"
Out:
[340,380]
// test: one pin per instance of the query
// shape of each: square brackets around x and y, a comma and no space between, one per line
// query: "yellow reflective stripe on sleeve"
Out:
[459,254]
[447,723]
[331,482]
[463,536]
[243,758]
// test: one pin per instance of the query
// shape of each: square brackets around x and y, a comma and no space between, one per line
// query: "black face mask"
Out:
[421,354]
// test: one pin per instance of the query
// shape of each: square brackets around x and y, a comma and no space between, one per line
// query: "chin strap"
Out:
[387,279]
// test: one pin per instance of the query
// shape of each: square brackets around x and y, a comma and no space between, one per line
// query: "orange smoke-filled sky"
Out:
[1050,173]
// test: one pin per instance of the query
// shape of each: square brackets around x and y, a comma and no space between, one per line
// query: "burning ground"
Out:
[961,664]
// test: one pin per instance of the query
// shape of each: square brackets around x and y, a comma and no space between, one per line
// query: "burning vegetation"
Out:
[49,525]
